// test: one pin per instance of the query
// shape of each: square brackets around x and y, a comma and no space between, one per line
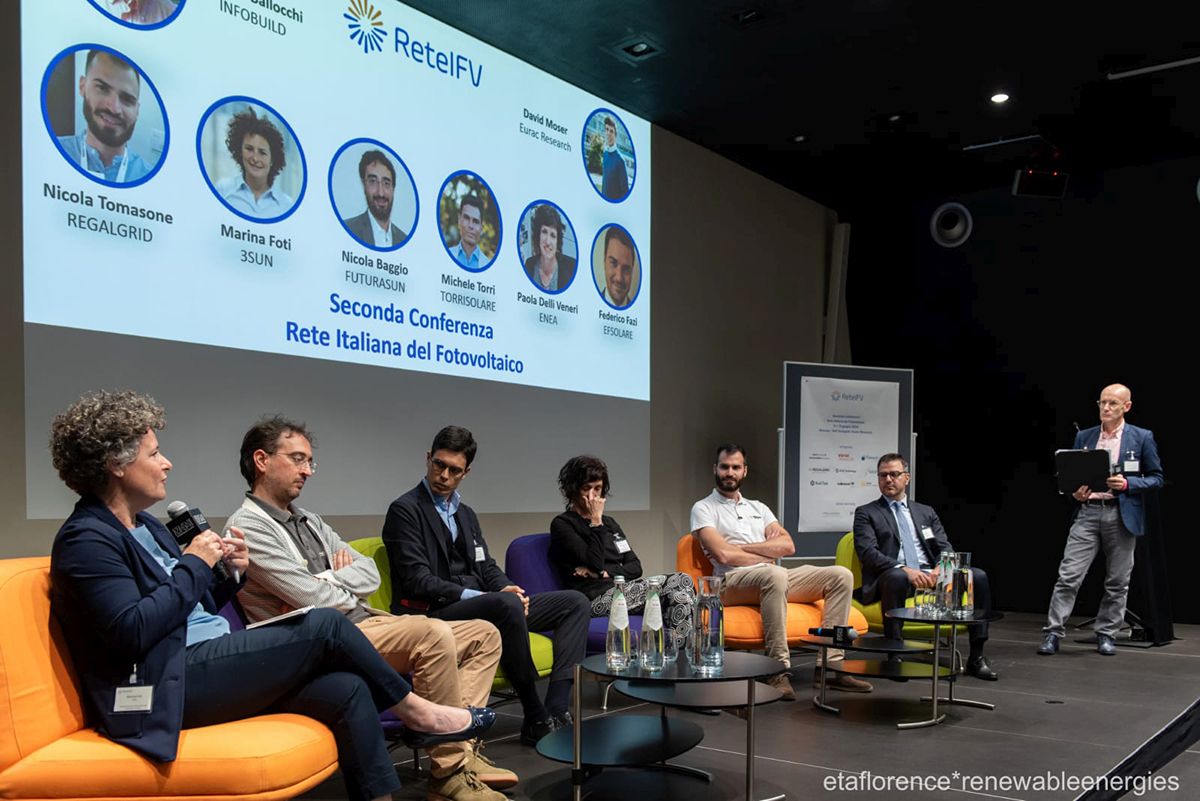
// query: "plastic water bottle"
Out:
[617,641]
[652,646]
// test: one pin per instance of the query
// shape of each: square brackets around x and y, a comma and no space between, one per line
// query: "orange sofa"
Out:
[743,624]
[47,751]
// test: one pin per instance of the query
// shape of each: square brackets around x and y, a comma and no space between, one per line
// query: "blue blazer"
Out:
[118,609]
[1149,476]
[877,540]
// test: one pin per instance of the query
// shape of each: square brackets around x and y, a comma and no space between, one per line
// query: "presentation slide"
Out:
[339,210]
[348,181]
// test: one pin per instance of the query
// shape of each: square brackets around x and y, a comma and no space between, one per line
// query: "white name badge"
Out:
[927,532]
[622,545]
[479,555]
[1133,466]
[134,699]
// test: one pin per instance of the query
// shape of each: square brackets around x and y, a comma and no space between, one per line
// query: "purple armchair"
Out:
[527,562]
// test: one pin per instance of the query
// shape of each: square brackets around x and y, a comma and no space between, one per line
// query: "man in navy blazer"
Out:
[898,542]
[441,567]
[1111,520]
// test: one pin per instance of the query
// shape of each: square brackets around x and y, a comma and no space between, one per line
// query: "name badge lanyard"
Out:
[83,159]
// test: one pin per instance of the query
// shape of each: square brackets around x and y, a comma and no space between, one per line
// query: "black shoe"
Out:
[1105,645]
[532,731]
[1049,646]
[980,669]
[482,719]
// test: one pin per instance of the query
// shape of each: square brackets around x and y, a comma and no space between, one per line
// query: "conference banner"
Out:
[845,426]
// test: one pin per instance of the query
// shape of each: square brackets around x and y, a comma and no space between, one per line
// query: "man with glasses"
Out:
[441,567]
[298,560]
[898,542]
[1111,520]
[374,226]
[744,542]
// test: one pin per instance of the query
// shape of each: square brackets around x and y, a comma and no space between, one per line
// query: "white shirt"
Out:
[383,233]
[739,521]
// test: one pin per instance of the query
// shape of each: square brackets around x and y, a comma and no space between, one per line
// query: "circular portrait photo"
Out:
[143,14]
[616,266]
[251,159]
[547,246]
[469,219]
[373,194]
[608,155]
[105,115]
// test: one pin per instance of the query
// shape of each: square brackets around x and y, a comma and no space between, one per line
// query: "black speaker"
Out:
[951,224]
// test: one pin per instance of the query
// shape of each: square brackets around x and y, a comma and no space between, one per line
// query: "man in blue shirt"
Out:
[441,567]
[110,88]
[615,181]
[470,225]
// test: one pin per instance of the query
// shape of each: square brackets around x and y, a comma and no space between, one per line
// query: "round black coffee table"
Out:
[649,739]
[872,668]
[939,619]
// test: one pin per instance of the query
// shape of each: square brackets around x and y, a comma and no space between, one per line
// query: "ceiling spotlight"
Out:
[894,118]
[799,138]
[999,98]
[639,49]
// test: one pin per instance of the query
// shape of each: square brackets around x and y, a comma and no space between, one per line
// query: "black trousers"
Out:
[565,613]
[893,589]
[319,665]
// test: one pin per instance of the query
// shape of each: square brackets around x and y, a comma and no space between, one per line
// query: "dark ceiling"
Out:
[744,78]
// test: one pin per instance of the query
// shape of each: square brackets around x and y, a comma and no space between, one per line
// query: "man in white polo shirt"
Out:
[743,540]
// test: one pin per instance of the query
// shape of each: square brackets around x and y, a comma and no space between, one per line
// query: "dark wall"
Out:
[1012,336]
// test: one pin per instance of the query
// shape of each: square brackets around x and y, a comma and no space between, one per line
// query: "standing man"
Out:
[898,541]
[470,226]
[374,226]
[441,567]
[614,181]
[110,89]
[297,560]
[618,266]
[743,540]
[1111,520]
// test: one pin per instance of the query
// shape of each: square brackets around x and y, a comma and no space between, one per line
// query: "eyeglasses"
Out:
[1109,404]
[454,470]
[892,474]
[299,458]
[374,182]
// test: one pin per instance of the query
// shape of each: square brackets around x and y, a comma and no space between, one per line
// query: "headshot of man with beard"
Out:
[374,227]
[110,89]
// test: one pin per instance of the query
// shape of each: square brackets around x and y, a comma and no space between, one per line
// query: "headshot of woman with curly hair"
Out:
[257,147]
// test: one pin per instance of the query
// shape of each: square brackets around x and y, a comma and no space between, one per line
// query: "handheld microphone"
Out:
[184,524]
[842,636]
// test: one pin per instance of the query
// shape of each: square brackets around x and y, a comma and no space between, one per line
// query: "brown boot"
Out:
[462,785]
[489,772]
[783,683]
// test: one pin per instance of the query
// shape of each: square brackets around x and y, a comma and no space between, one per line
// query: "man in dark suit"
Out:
[441,567]
[898,542]
[374,226]
[1112,520]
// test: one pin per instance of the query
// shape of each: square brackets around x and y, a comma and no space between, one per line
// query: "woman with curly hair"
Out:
[548,267]
[140,617]
[588,548]
[256,145]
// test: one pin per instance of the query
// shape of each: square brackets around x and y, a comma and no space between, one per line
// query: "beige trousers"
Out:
[771,587]
[451,663]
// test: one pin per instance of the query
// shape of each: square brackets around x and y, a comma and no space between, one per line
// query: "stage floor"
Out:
[1056,719]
